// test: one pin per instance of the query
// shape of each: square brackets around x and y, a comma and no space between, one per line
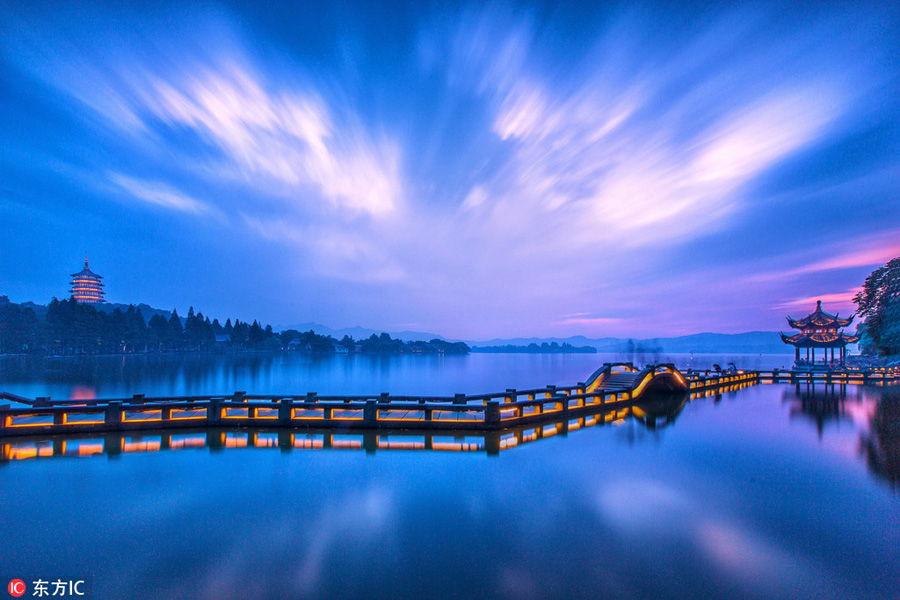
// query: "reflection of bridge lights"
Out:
[90,449]
[308,444]
[177,443]
[82,392]
[141,446]
[347,444]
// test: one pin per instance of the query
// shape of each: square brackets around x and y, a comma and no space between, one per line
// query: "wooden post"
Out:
[214,410]
[59,418]
[370,413]
[112,416]
[285,411]
[492,414]
[165,413]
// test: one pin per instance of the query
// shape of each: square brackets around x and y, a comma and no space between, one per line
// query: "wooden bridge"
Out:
[613,387]
[655,412]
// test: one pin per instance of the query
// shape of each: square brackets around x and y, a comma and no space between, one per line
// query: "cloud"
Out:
[159,194]
[588,321]
[867,251]
[842,300]
[289,138]
[586,158]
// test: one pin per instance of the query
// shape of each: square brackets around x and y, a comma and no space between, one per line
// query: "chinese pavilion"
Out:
[86,286]
[819,330]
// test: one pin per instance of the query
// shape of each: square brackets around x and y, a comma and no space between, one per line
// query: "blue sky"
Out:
[467,169]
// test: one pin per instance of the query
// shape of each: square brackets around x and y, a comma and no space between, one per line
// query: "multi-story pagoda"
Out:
[819,330]
[86,286]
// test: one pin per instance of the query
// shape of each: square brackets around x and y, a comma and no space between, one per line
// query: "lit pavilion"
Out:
[86,286]
[819,330]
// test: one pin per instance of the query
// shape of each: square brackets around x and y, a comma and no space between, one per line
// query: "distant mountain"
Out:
[753,342]
[576,340]
[358,333]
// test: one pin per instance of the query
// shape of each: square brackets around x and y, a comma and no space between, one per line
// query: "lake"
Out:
[772,491]
[293,373]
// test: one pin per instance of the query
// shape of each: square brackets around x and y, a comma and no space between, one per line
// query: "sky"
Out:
[472,170]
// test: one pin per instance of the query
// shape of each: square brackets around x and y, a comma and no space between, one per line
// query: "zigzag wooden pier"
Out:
[613,387]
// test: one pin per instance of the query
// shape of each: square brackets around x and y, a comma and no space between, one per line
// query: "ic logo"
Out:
[16,588]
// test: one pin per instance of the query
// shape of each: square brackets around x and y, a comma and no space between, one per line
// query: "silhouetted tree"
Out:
[879,304]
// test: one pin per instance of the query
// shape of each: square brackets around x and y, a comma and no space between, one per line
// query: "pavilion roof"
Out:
[819,340]
[86,272]
[819,318]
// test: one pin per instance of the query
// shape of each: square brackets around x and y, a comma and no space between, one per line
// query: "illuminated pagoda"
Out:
[819,330]
[86,286]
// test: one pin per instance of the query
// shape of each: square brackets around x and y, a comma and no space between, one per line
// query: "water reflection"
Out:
[881,444]
[821,403]
[723,497]
[297,373]
[872,411]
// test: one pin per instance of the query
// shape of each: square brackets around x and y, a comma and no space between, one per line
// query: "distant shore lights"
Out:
[86,286]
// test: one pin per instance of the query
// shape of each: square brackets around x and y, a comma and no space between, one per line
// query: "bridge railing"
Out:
[486,411]
[596,379]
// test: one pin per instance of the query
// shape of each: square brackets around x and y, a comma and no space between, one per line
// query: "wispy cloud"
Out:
[159,194]
[868,251]
[588,321]
[837,300]
[290,138]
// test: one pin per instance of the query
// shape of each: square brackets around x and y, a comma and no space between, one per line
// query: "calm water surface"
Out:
[760,493]
[296,373]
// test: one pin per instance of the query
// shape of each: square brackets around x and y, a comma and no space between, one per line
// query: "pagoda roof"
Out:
[819,318]
[86,272]
[820,340]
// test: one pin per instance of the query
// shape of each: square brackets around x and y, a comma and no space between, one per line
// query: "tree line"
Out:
[879,304]
[68,327]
